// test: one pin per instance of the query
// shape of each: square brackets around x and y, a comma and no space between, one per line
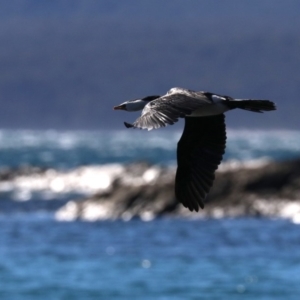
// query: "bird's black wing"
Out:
[167,110]
[199,153]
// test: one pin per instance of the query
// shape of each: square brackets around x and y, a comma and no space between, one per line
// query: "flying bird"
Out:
[203,141]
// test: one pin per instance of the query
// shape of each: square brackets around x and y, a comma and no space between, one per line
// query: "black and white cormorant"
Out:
[203,141]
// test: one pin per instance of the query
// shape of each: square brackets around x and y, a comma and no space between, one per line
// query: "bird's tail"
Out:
[252,105]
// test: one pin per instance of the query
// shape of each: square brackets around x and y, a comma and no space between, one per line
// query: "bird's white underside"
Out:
[210,110]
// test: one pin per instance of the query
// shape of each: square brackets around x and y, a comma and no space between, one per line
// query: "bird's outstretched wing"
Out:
[199,153]
[168,109]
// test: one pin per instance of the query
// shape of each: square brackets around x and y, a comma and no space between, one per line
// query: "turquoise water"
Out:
[163,259]
[69,149]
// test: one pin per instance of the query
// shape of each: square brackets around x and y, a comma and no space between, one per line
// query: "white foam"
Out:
[96,211]
[291,210]
[151,174]
[234,164]
[280,208]
[82,180]
[88,180]
[67,213]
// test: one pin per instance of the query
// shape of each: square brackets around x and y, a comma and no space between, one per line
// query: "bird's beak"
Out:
[120,107]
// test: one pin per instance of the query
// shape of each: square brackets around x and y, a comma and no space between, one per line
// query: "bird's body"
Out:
[202,144]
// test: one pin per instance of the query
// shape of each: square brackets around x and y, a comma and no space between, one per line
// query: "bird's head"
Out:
[136,104]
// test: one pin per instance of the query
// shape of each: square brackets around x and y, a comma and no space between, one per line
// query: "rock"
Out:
[7,173]
[271,189]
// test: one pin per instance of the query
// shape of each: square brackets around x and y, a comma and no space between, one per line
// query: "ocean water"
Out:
[162,259]
[42,258]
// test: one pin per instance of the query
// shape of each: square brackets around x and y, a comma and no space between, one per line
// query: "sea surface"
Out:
[166,258]
[69,149]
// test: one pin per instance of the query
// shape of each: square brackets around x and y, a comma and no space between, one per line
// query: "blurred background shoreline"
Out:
[103,166]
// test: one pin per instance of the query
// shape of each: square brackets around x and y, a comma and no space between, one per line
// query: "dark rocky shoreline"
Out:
[271,189]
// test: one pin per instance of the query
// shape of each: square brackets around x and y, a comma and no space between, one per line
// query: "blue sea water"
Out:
[162,259]
[42,258]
